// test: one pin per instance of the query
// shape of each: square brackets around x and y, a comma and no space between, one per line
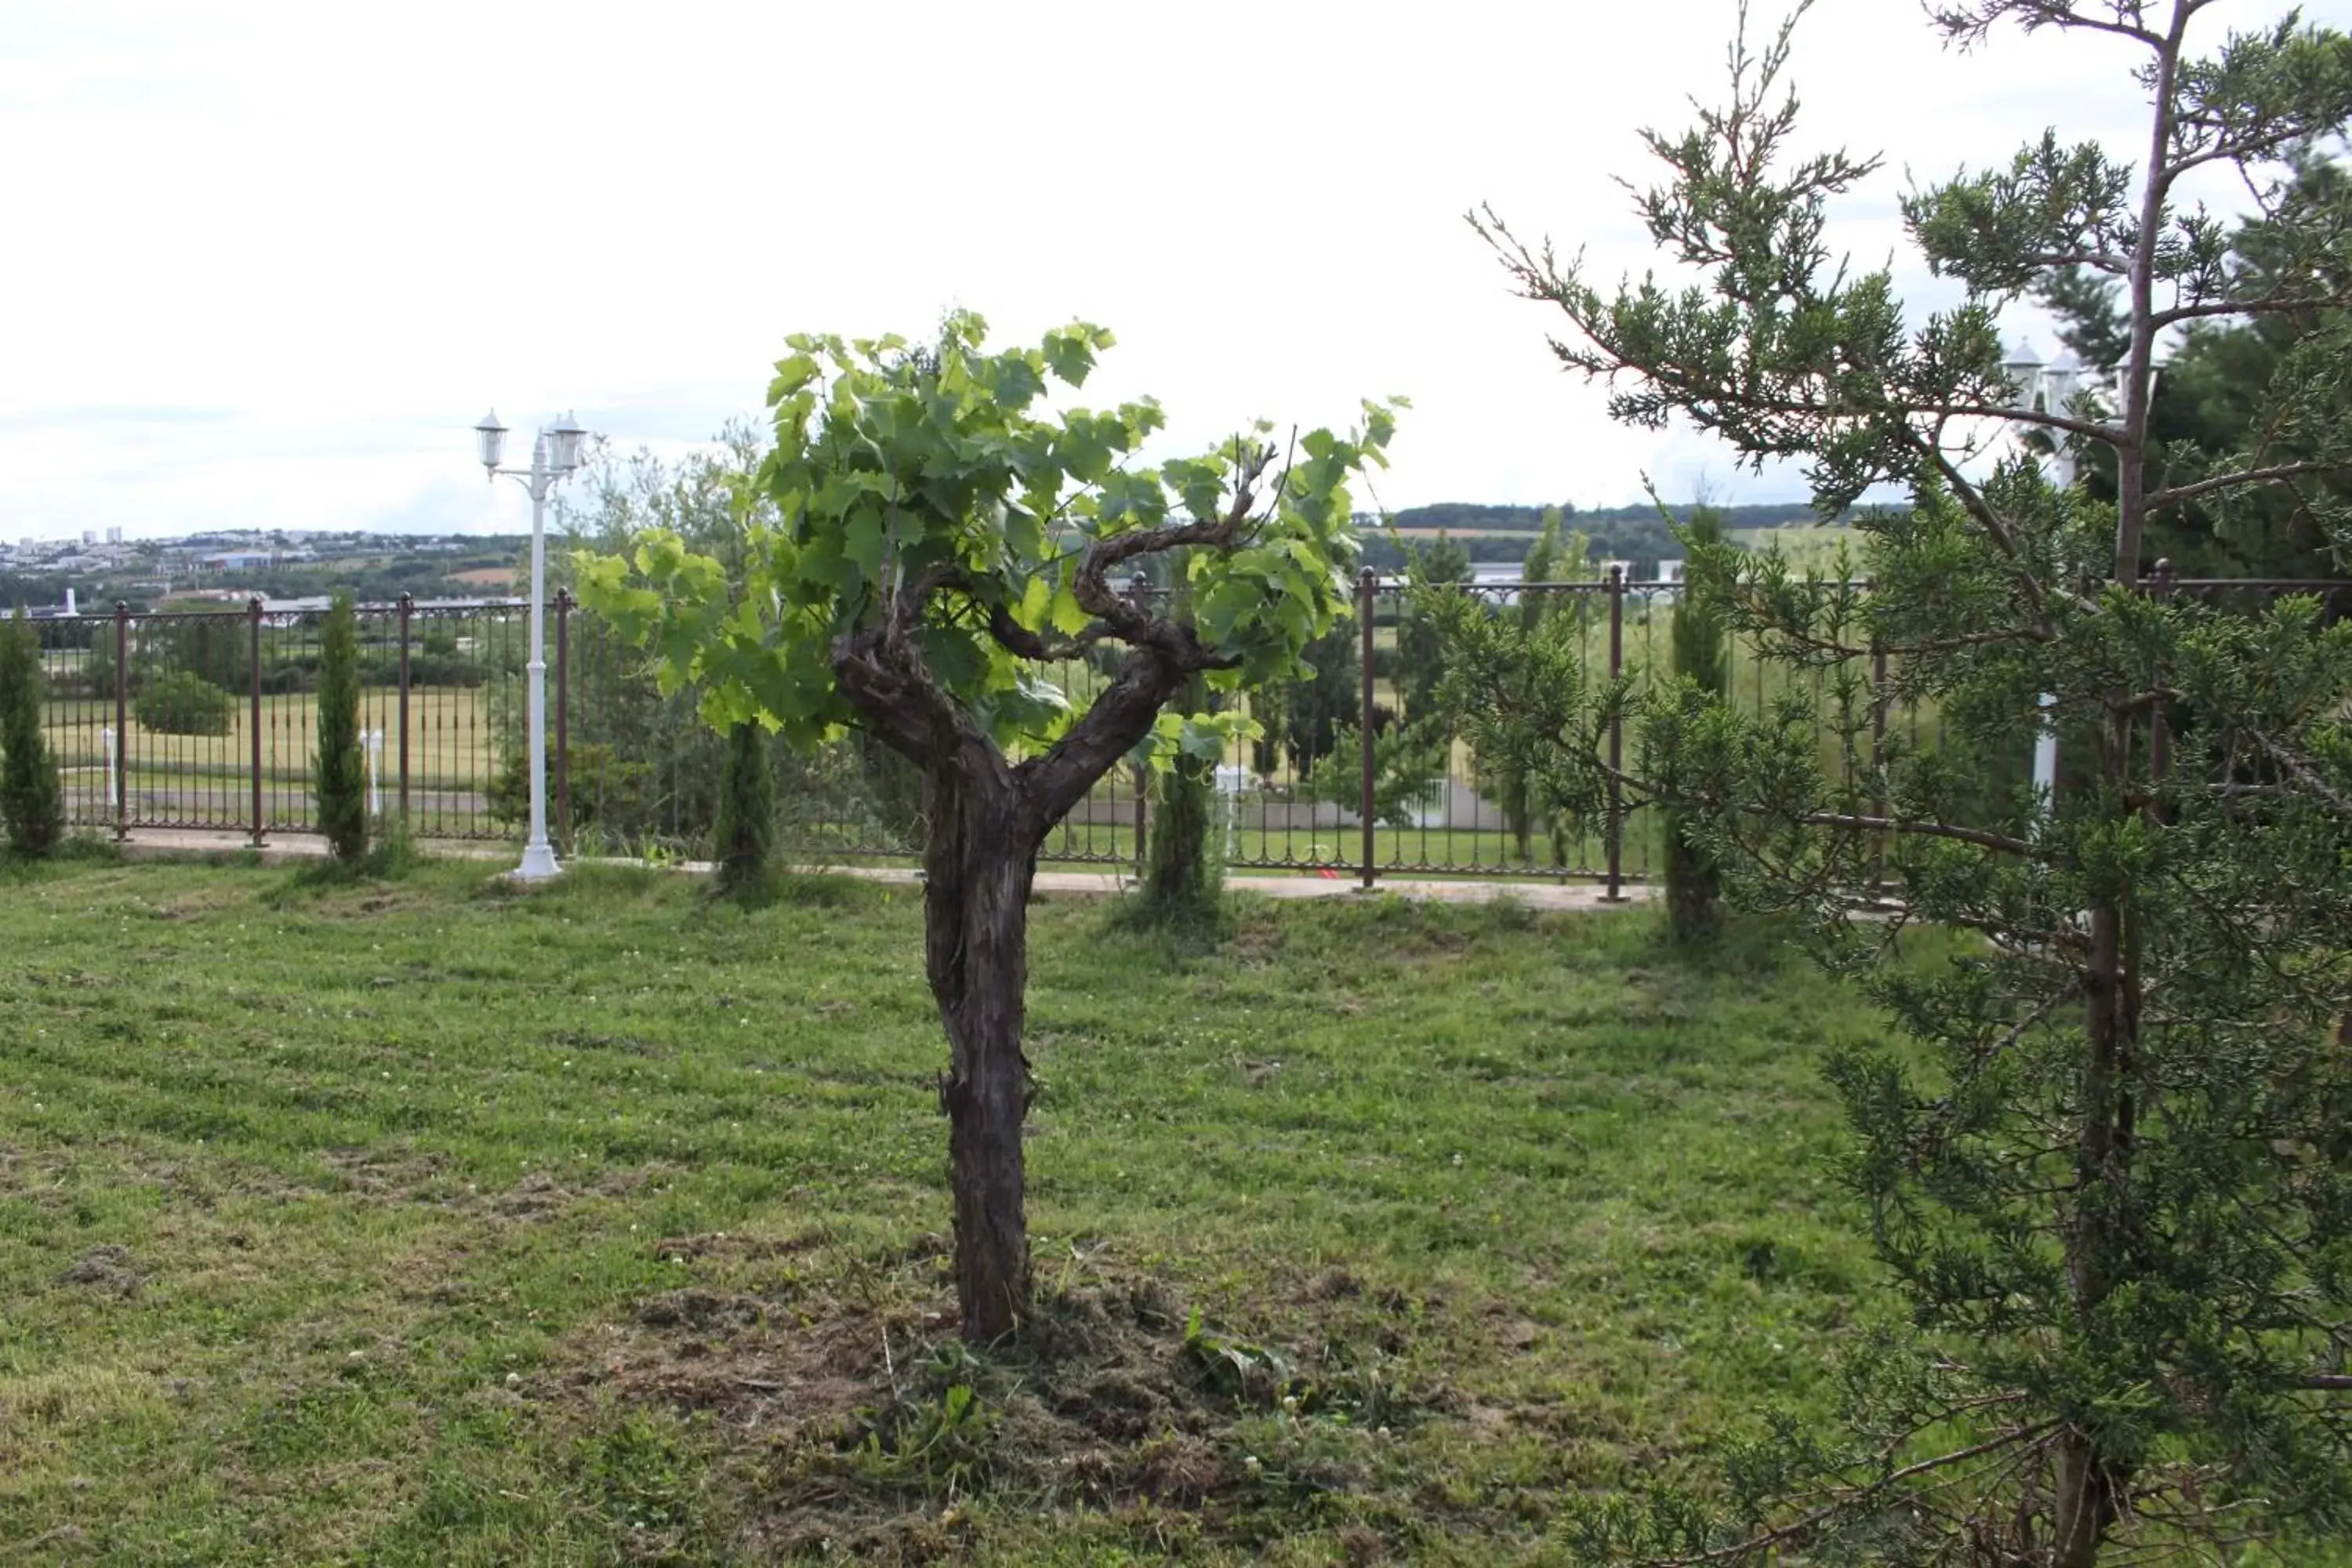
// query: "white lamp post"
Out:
[556,454]
[2048,389]
[2044,388]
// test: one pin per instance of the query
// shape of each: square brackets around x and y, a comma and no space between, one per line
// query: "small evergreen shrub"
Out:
[341,777]
[746,835]
[1701,653]
[32,800]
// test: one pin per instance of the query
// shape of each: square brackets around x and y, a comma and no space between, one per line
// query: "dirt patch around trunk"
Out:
[852,1421]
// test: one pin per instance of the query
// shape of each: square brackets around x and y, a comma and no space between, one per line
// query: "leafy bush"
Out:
[1408,764]
[184,703]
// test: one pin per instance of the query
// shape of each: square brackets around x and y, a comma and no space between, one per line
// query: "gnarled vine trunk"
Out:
[986,818]
[976,953]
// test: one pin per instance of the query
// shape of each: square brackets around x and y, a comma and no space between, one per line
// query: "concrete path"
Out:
[1530,892]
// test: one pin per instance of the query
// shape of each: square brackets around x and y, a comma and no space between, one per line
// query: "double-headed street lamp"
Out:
[555,456]
[2049,389]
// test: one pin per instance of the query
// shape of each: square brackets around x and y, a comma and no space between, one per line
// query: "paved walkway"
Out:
[1533,893]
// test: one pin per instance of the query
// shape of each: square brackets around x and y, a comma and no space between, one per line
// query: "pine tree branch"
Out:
[2098,260]
[1982,838]
[1822,1515]
[1973,502]
[2091,430]
[2315,783]
[1970,24]
[2273,306]
[2180,493]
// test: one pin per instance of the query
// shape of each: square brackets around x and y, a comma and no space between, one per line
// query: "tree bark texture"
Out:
[985,819]
[2089,1487]
[976,948]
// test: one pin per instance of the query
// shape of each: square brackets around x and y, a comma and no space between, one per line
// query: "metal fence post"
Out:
[1616,829]
[407,609]
[253,723]
[1367,588]
[122,720]
[563,720]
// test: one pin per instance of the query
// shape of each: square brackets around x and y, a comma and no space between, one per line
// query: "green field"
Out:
[452,738]
[424,1223]
[1811,548]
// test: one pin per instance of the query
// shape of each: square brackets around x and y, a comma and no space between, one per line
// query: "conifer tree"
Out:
[342,783]
[32,800]
[1702,667]
[746,832]
[2110,1173]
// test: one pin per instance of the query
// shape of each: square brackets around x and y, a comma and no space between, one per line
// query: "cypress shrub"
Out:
[341,776]
[1184,879]
[1701,653]
[746,848]
[31,797]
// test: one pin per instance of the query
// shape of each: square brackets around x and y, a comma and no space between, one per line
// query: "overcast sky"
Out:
[266,264]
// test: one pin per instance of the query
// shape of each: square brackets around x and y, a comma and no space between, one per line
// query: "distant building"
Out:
[44,612]
[114,536]
[236,561]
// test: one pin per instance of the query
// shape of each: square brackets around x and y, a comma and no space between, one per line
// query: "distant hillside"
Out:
[1635,533]
[1468,516]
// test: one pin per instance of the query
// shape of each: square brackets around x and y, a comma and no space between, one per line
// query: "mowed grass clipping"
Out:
[438,1222]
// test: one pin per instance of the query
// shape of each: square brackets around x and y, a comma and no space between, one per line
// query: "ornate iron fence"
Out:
[208,721]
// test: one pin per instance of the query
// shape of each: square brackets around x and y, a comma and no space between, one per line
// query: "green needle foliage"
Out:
[2111,1171]
[32,801]
[1408,764]
[746,835]
[1701,655]
[341,781]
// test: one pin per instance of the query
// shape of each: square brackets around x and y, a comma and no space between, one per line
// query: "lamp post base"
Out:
[538,864]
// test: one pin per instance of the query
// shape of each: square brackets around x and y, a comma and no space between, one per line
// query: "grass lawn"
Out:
[428,1222]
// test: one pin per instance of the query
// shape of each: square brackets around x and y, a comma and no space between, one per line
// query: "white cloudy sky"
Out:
[264,264]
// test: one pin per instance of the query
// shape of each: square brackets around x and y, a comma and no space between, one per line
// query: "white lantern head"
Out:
[490,440]
[2024,372]
[2060,378]
[564,440]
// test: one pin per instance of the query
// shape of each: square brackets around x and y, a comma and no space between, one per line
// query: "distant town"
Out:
[92,570]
